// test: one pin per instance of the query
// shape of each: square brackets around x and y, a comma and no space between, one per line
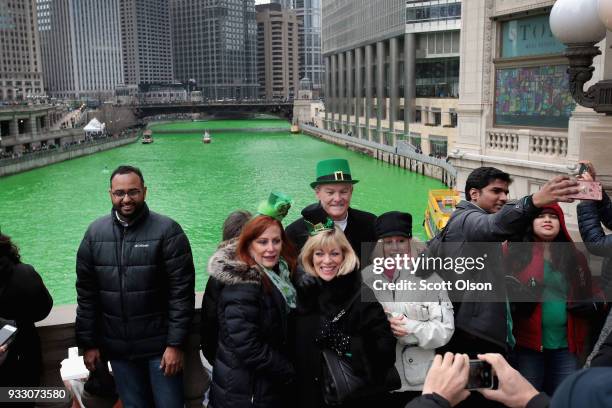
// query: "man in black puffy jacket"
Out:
[135,287]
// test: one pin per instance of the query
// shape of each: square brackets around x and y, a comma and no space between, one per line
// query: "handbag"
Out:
[339,379]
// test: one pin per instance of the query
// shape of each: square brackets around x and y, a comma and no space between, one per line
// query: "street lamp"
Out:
[579,24]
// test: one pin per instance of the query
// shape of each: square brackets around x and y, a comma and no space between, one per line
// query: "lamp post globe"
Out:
[605,13]
[577,21]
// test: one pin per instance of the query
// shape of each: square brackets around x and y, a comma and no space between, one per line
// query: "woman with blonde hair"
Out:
[336,313]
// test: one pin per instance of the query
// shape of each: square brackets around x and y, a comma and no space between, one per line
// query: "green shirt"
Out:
[554,312]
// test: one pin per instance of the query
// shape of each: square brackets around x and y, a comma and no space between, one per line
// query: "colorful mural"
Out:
[534,96]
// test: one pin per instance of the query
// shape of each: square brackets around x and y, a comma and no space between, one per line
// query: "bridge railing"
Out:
[402,148]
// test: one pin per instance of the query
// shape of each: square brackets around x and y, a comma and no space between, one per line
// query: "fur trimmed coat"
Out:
[252,366]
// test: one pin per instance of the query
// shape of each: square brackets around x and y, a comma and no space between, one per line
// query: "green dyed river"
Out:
[46,211]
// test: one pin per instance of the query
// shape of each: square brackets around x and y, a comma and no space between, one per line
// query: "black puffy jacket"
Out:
[25,299]
[135,286]
[251,367]
[591,214]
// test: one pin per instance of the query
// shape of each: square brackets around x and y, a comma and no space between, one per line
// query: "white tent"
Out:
[94,127]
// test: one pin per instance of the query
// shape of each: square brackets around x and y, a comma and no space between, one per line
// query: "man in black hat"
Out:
[334,189]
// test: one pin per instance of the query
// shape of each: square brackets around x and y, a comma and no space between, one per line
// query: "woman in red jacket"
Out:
[550,333]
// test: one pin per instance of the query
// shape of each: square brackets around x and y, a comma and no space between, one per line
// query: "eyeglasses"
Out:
[121,194]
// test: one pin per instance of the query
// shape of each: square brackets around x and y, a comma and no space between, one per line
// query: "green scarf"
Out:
[282,281]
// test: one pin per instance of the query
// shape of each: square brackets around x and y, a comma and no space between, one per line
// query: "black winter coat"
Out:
[209,325]
[135,286]
[252,367]
[359,229]
[25,299]
[372,343]
[591,214]
[603,358]
[470,223]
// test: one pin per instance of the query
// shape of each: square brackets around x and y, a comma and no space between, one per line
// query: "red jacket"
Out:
[528,330]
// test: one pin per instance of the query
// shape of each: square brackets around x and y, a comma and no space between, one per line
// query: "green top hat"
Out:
[332,171]
[277,206]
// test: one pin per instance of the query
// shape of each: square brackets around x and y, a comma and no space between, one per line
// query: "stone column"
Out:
[368,91]
[334,94]
[341,96]
[327,91]
[393,82]
[380,88]
[358,91]
[409,80]
[349,88]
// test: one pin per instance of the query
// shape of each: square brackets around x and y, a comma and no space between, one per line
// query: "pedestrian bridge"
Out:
[236,108]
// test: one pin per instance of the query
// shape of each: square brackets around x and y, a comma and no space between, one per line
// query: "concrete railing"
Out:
[57,336]
[43,158]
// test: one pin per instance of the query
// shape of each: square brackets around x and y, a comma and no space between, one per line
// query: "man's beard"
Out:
[129,217]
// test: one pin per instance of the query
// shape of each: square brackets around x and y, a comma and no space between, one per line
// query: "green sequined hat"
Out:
[277,206]
[314,229]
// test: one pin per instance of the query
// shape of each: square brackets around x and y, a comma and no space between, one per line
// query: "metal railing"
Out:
[403,148]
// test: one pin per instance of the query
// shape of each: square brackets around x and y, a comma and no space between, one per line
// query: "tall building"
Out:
[311,62]
[515,108]
[146,36]
[81,47]
[392,70]
[215,44]
[277,52]
[20,65]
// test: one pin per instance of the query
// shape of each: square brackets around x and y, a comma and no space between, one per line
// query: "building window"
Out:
[437,117]
[533,96]
[434,12]
[453,118]
[437,78]
[418,113]
[415,140]
[438,146]
[529,36]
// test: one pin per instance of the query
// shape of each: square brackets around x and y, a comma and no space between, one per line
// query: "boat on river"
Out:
[206,137]
[440,206]
[147,136]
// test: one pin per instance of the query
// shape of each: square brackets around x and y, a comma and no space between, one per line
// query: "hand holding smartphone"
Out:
[589,190]
[481,375]
[7,334]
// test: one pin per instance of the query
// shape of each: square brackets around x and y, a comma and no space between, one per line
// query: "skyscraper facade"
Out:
[20,64]
[311,62]
[277,51]
[215,43]
[392,70]
[80,47]
[146,36]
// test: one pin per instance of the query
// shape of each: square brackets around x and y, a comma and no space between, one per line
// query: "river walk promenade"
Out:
[10,166]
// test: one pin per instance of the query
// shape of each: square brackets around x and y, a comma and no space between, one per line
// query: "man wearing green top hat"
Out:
[333,188]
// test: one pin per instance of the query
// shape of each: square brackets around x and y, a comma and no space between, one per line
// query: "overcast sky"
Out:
[261,1]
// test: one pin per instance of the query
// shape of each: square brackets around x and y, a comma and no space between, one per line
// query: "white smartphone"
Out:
[6,334]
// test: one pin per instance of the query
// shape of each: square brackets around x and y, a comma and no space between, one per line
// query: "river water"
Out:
[47,210]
